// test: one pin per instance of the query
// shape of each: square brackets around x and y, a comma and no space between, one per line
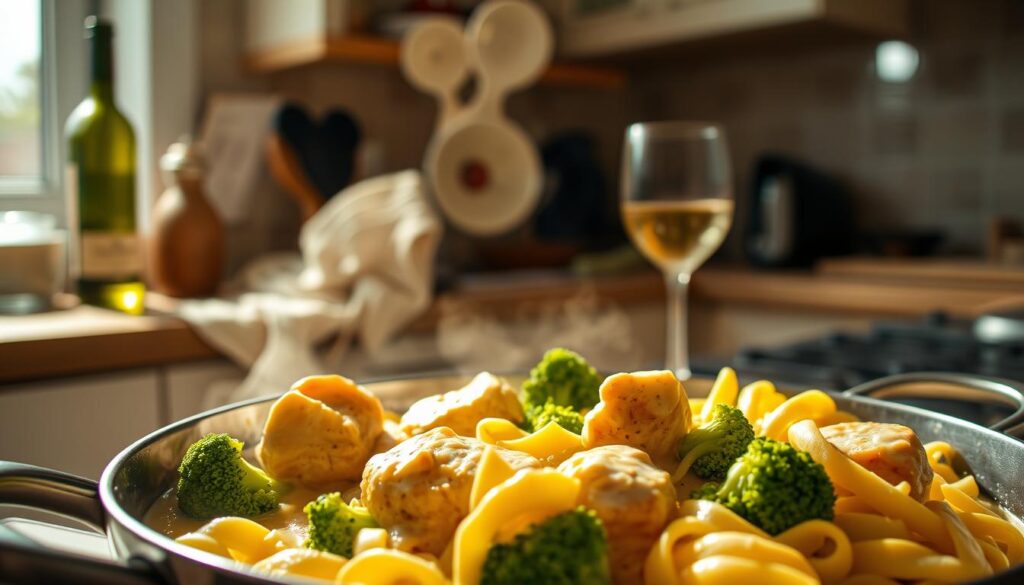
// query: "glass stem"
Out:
[677,357]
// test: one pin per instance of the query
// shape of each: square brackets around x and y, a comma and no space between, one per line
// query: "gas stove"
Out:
[992,345]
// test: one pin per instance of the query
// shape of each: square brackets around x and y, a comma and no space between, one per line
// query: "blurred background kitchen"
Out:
[307,197]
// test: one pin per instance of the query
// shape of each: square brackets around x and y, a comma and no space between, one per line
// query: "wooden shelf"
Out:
[379,51]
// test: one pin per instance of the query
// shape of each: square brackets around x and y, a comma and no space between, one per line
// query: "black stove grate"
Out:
[842,360]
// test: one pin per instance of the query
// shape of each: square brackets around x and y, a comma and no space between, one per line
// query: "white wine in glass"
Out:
[677,207]
[678,236]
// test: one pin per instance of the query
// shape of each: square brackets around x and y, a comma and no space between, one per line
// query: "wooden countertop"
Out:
[86,339]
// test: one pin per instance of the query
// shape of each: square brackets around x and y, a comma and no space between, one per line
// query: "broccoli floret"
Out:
[216,481]
[714,446]
[567,549]
[775,486]
[565,416]
[333,524]
[564,378]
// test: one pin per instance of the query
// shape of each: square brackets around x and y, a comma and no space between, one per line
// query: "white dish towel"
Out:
[366,269]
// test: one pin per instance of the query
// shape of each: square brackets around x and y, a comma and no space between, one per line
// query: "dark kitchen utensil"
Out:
[147,469]
[312,160]
[575,206]
[797,215]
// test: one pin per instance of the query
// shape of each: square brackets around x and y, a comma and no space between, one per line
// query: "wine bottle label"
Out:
[110,255]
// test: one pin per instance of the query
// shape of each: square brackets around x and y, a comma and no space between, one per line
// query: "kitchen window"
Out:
[33,182]
[22,155]
[42,78]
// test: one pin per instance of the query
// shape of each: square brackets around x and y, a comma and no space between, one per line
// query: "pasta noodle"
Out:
[696,406]
[994,555]
[852,504]
[903,559]
[491,471]
[724,391]
[880,494]
[860,526]
[807,552]
[757,399]
[1000,531]
[390,567]
[824,544]
[935,489]
[968,551]
[967,485]
[529,496]
[839,416]
[940,452]
[301,561]
[812,404]
[236,538]
[724,569]
[370,538]
[550,444]
[741,545]
[494,430]
[962,501]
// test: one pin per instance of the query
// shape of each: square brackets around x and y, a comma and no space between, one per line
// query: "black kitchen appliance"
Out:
[796,215]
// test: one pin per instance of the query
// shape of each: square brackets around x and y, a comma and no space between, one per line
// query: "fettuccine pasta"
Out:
[730,546]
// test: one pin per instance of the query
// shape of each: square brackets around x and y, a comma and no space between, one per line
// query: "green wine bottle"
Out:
[100,182]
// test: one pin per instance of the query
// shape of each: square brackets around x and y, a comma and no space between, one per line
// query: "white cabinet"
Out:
[590,29]
[77,425]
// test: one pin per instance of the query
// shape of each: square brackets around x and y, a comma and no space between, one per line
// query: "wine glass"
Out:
[677,207]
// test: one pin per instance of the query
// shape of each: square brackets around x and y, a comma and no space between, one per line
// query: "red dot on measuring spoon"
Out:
[474,175]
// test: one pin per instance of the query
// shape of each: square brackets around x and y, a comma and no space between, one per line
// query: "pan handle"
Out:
[955,386]
[22,560]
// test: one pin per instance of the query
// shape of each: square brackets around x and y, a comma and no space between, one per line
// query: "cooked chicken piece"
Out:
[646,410]
[321,432]
[892,452]
[485,396]
[419,490]
[634,499]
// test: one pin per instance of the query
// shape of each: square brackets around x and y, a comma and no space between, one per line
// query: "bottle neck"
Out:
[101,66]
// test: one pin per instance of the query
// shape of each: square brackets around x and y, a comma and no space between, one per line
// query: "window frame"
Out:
[170,97]
[62,80]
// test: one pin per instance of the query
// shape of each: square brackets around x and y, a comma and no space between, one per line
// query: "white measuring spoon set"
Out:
[484,170]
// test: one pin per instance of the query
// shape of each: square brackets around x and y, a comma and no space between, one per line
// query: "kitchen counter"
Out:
[85,339]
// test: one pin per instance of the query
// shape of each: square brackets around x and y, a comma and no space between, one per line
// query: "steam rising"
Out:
[598,330]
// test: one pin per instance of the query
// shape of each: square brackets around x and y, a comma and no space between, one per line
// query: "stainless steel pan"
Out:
[146,469]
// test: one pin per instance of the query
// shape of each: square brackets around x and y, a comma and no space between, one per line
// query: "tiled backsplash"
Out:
[943,150]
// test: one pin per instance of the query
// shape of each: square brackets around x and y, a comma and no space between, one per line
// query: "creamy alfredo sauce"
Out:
[289,519]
